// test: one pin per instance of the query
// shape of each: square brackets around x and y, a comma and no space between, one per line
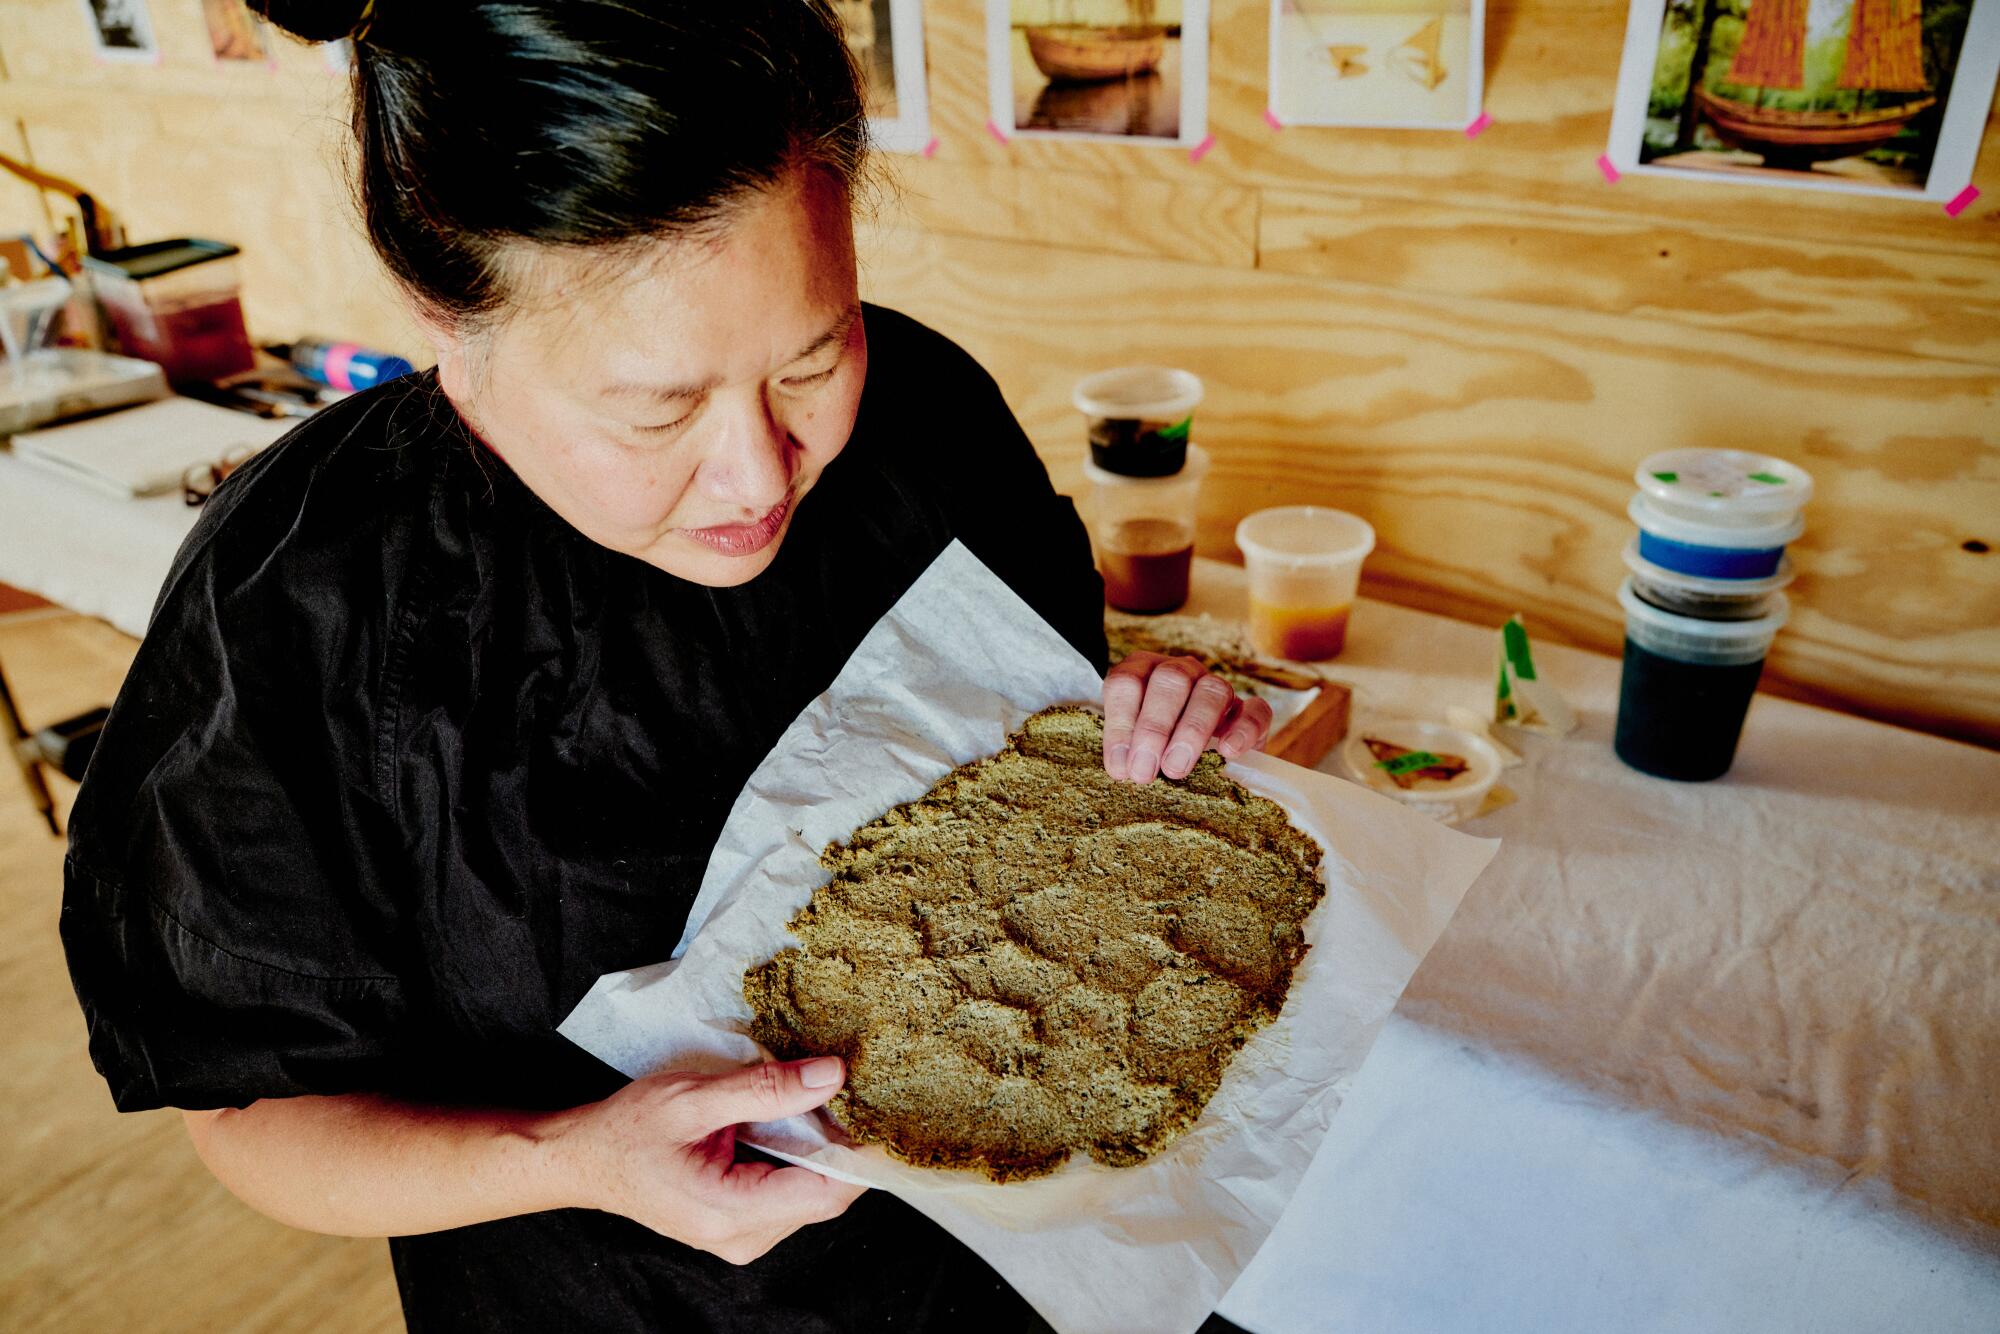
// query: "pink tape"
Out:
[1472,130]
[1271,119]
[930,149]
[339,358]
[1961,201]
[1200,150]
[1610,172]
[994,130]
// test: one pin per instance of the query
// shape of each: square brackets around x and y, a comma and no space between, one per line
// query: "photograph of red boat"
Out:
[1846,93]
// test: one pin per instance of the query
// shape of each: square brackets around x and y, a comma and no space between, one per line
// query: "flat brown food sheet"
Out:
[1033,959]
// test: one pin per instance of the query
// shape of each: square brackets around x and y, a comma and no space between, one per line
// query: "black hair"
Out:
[575,122]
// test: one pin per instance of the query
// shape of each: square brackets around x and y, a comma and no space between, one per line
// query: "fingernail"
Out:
[1179,760]
[1116,759]
[820,1072]
[1145,764]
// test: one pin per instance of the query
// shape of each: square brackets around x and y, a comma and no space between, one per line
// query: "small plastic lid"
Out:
[1723,536]
[1761,628]
[1192,471]
[1482,761]
[1149,393]
[1731,486]
[1659,576]
[1301,536]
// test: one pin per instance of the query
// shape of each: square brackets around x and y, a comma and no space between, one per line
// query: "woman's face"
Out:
[678,406]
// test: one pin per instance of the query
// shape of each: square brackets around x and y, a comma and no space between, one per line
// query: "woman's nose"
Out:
[754,459]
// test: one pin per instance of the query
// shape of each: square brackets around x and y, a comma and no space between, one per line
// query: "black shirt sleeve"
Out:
[229,908]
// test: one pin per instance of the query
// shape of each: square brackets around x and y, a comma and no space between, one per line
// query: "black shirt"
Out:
[405,763]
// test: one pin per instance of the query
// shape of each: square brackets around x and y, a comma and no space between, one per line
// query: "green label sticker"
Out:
[1667,476]
[1402,764]
[1768,479]
[1515,636]
[1178,431]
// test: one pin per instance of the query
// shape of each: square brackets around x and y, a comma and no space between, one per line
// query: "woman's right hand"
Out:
[662,1152]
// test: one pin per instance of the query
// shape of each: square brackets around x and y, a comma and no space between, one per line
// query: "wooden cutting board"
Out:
[1319,727]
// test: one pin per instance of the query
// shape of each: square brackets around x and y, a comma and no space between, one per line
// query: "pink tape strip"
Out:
[1961,201]
[1472,130]
[1271,119]
[994,130]
[1604,165]
[1200,150]
[930,149]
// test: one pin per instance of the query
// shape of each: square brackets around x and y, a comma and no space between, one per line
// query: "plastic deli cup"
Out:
[1305,567]
[1139,418]
[1711,550]
[1144,527]
[1726,488]
[1445,772]
[1686,687]
[1709,599]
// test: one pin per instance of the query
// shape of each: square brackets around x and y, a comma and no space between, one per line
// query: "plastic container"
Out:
[1708,599]
[1449,799]
[1305,568]
[1144,529]
[1712,550]
[1139,418]
[1728,488]
[176,303]
[1686,687]
[345,366]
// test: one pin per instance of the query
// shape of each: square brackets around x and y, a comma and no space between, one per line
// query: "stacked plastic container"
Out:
[1703,602]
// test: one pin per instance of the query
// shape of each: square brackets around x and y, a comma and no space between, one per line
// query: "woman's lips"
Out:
[744,539]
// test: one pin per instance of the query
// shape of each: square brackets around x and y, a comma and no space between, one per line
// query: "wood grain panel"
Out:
[1121,215]
[1852,292]
[1492,443]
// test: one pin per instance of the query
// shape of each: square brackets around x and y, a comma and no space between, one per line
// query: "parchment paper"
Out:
[954,667]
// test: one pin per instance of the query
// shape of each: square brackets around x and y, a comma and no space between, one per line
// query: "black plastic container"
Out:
[1686,687]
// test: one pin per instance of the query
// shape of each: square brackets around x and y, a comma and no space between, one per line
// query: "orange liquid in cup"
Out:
[1145,563]
[1303,634]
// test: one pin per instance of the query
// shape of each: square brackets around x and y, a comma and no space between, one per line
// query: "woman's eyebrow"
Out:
[835,333]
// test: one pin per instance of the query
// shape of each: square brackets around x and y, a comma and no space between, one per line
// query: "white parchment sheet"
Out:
[942,679]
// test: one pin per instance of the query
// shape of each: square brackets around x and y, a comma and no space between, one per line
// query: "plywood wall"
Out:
[1471,342]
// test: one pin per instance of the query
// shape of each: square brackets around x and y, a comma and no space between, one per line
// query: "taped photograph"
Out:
[1134,71]
[1885,97]
[887,39]
[122,30]
[1387,64]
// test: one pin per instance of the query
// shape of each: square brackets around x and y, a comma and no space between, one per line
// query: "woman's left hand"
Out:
[1160,713]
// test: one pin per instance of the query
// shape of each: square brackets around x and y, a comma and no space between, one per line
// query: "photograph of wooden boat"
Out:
[1797,139]
[1102,68]
[1073,53]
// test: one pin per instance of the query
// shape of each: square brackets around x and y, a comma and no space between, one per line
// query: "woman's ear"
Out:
[451,344]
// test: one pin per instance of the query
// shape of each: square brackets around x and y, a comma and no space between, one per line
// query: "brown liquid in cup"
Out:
[1145,564]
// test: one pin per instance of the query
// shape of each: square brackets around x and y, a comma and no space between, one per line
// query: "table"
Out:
[88,550]
[1690,1057]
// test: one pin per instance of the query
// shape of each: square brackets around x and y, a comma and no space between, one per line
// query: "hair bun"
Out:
[314,20]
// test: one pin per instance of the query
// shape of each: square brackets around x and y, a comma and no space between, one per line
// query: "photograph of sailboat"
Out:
[1389,64]
[1121,69]
[1864,95]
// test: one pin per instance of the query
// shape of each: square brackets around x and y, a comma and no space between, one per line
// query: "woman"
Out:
[445,700]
